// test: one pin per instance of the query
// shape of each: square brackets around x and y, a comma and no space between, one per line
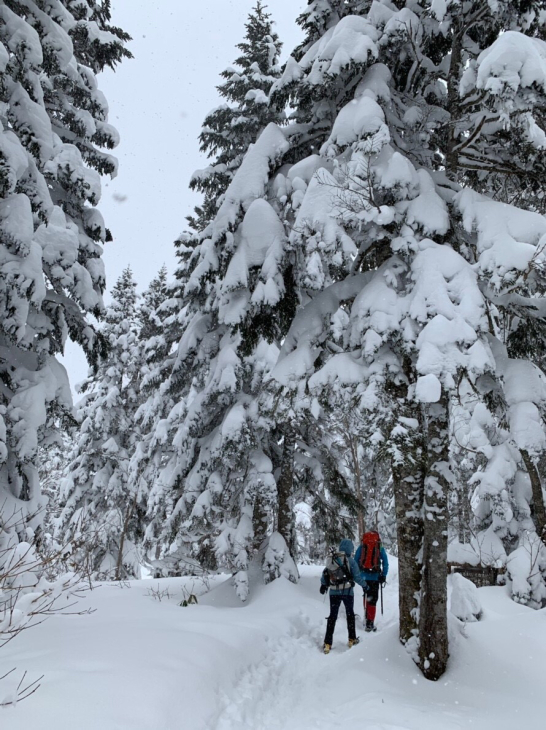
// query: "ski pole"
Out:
[381,586]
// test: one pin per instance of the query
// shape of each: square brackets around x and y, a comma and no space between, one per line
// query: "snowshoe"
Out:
[326,648]
[370,626]
[353,642]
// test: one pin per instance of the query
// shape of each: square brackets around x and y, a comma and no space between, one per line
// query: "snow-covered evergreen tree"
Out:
[408,105]
[237,301]
[152,299]
[52,461]
[161,320]
[496,146]
[227,134]
[102,505]
[229,130]
[53,126]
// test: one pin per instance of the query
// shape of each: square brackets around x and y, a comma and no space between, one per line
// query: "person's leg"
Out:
[349,602]
[371,602]
[335,602]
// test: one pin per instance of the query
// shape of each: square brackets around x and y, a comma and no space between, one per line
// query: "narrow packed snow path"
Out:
[291,688]
[373,686]
[269,693]
[145,664]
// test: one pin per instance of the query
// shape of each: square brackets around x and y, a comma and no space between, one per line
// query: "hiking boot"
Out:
[327,648]
[353,642]
[370,626]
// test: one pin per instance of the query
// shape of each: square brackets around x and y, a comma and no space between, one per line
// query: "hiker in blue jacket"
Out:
[375,577]
[340,575]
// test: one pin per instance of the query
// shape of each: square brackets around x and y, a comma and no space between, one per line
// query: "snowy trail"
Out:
[375,685]
[146,665]
[296,687]
[273,693]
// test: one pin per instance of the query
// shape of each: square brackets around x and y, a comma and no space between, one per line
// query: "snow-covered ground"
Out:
[142,664]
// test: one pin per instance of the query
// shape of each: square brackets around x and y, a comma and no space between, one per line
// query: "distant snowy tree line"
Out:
[354,335]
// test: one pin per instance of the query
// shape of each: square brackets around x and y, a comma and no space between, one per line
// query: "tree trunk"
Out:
[463,507]
[453,96]
[353,447]
[433,638]
[539,513]
[259,522]
[206,555]
[128,515]
[463,517]
[408,499]
[460,523]
[408,485]
[285,486]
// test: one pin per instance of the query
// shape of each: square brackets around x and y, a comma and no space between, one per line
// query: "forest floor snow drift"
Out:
[145,664]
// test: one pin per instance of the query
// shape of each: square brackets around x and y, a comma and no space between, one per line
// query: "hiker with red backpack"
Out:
[372,560]
[340,575]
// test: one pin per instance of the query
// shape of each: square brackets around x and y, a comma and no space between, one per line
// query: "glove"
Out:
[382,579]
[323,589]
[366,587]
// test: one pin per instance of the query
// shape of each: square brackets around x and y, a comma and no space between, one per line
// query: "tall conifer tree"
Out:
[160,323]
[228,134]
[229,130]
[403,107]
[101,505]
[53,128]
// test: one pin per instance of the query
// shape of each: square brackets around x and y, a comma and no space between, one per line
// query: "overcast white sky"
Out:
[158,102]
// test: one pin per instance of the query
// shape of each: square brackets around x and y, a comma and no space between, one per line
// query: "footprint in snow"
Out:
[283,692]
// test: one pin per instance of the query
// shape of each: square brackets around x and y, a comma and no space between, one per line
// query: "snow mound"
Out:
[525,566]
[462,553]
[514,60]
[351,41]
[465,600]
[359,119]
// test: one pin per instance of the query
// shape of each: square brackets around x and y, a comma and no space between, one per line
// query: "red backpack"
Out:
[370,555]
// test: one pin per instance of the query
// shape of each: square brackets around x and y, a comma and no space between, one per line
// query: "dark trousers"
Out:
[372,594]
[335,603]
[370,599]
